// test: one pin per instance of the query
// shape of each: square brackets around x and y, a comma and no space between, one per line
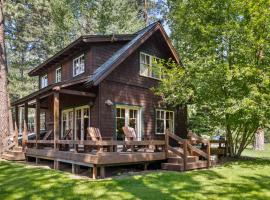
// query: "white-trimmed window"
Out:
[128,116]
[149,67]
[58,75]
[44,81]
[164,121]
[78,65]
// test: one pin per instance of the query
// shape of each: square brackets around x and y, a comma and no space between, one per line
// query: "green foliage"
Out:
[225,51]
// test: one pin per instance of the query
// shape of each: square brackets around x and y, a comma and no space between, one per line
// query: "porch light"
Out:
[108,102]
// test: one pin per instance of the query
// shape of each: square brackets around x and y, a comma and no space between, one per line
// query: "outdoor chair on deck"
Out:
[47,135]
[67,136]
[95,135]
[130,135]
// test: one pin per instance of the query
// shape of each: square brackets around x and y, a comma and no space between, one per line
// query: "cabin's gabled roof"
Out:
[120,55]
[77,45]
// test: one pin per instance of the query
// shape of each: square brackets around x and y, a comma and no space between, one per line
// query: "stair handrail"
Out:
[179,140]
[194,138]
[13,138]
[187,146]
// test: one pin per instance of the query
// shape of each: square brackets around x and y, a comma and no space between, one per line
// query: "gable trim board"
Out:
[106,68]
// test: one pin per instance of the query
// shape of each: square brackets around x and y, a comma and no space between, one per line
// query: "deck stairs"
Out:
[14,154]
[176,163]
[187,154]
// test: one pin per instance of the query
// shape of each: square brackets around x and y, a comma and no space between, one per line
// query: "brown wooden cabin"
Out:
[101,81]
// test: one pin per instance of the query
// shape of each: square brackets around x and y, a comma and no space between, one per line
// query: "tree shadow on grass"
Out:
[248,162]
[17,181]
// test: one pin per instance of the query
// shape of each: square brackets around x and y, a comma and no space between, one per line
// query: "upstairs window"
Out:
[78,65]
[149,66]
[44,81]
[164,121]
[58,75]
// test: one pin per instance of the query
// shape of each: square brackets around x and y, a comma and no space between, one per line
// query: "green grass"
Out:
[245,179]
[258,154]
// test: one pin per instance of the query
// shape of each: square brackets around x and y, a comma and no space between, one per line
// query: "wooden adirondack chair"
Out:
[67,136]
[46,136]
[130,135]
[95,135]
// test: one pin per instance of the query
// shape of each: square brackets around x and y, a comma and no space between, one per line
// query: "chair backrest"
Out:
[67,135]
[94,133]
[46,136]
[129,132]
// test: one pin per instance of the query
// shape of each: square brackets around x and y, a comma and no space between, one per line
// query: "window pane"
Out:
[120,122]
[162,114]
[160,126]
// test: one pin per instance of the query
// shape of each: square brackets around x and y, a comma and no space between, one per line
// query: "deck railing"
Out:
[109,145]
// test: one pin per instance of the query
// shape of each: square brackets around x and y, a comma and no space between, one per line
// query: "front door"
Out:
[128,116]
[82,121]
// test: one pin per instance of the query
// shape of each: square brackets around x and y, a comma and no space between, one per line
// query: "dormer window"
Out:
[149,67]
[44,81]
[78,65]
[58,75]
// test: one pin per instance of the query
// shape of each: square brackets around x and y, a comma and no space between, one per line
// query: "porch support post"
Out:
[56,127]
[37,121]
[56,164]
[102,172]
[25,127]
[26,113]
[94,172]
[16,124]
[16,116]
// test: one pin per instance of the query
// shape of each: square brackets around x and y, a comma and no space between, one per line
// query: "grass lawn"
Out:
[242,179]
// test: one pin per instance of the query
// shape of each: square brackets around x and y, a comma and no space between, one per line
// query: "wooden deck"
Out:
[98,155]
[101,154]
[98,158]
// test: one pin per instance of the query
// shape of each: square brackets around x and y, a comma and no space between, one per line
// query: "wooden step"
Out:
[172,166]
[179,160]
[197,165]
[17,148]
[13,155]
[180,167]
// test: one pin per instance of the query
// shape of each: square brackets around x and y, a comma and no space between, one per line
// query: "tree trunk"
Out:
[4,111]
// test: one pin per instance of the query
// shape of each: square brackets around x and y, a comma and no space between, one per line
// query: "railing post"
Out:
[185,150]
[166,143]
[209,154]
[16,135]
[37,121]
[24,136]
[56,128]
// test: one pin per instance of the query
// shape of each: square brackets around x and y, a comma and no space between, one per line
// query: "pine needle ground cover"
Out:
[247,178]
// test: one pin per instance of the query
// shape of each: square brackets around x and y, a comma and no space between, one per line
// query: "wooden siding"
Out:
[125,85]
[95,55]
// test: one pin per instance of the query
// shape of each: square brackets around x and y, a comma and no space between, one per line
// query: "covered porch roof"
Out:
[65,87]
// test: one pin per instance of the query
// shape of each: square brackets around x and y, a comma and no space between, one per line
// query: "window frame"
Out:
[73,65]
[151,58]
[58,78]
[43,84]
[164,120]
[127,118]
